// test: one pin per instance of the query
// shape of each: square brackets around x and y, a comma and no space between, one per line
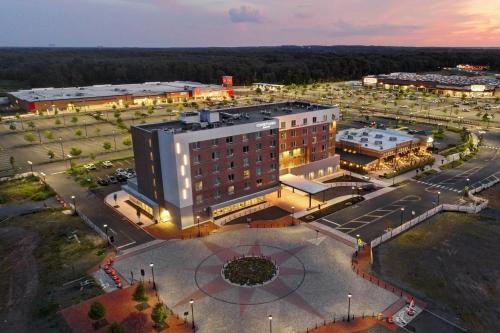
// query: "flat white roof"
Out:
[374,138]
[302,184]
[106,90]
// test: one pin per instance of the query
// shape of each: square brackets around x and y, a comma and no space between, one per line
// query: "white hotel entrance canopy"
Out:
[305,185]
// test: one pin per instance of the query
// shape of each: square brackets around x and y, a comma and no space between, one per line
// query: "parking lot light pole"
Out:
[438,194]
[270,323]
[153,275]
[402,214]
[73,199]
[293,213]
[31,167]
[106,230]
[352,192]
[349,306]
[62,152]
[198,223]
[192,313]
[394,177]
[114,138]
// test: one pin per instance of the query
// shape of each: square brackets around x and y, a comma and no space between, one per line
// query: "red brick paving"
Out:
[356,325]
[119,306]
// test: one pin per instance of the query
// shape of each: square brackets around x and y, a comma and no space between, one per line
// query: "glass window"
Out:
[198,186]
[230,190]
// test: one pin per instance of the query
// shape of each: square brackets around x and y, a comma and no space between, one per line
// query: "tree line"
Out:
[59,67]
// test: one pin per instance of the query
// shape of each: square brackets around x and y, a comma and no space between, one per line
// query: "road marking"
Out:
[328,221]
[125,245]
[57,173]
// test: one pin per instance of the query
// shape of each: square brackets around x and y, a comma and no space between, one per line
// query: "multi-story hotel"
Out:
[211,163]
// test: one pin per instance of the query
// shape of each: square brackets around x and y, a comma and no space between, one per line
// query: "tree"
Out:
[57,121]
[12,127]
[127,141]
[78,132]
[116,328]
[48,135]
[74,119]
[51,154]
[140,293]
[96,311]
[12,162]
[31,124]
[97,131]
[106,145]
[75,151]
[29,137]
[159,314]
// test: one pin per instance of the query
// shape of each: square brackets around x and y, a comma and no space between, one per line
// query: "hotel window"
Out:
[272,155]
[215,142]
[258,171]
[282,146]
[217,194]
[293,133]
[229,152]
[199,198]
[283,125]
[259,158]
[230,177]
[273,167]
[283,135]
[293,144]
[247,185]
[304,121]
[258,135]
[229,139]
[259,182]
[151,155]
[197,145]
[231,165]
[273,131]
[294,123]
[304,131]
[246,162]
[324,137]
[314,129]
[217,181]
[198,186]
[323,147]
[230,190]
[150,143]
[153,169]
[197,159]
[333,116]
[325,127]
[198,172]
[273,143]
[314,120]
[246,173]
[244,137]
[313,149]
[304,141]
[273,178]
[325,117]
[215,155]
[258,146]
[215,168]
[246,149]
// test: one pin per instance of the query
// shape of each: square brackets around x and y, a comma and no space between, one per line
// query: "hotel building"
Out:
[211,163]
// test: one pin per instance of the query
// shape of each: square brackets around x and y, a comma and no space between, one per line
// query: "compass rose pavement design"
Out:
[311,285]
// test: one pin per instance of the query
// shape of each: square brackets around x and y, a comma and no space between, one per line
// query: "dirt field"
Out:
[493,196]
[452,262]
[37,260]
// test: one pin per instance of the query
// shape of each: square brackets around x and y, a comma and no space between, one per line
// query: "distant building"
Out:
[452,85]
[365,148]
[468,67]
[213,163]
[105,96]
[267,86]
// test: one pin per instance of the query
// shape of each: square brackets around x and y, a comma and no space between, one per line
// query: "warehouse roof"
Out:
[374,138]
[108,90]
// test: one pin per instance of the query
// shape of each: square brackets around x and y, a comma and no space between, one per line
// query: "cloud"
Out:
[245,14]
[342,28]
[301,15]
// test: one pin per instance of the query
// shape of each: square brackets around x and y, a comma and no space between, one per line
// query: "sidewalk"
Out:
[122,207]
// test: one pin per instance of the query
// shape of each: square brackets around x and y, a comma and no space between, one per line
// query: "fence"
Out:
[349,184]
[242,213]
[91,224]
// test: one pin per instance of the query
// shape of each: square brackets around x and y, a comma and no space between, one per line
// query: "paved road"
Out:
[370,218]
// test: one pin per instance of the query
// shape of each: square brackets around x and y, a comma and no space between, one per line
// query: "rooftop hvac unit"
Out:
[378,142]
[378,136]
[365,134]
[393,138]
[350,137]
[364,139]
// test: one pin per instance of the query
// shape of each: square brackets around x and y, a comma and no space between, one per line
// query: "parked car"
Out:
[107,164]
[121,178]
[120,171]
[90,166]
[130,175]
[103,182]
[112,179]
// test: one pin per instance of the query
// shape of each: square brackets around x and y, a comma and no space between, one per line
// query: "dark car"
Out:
[121,178]
[103,182]
[112,179]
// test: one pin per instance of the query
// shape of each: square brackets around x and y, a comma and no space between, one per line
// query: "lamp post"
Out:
[62,151]
[114,138]
[106,230]
[293,213]
[352,192]
[438,194]
[402,214]
[349,306]
[394,178]
[153,275]
[43,176]
[31,167]
[73,199]
[192,313]
[198,223]
[270,323]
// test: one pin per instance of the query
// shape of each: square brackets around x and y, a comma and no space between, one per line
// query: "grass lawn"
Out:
[452,261]
[39,257]
[25,188]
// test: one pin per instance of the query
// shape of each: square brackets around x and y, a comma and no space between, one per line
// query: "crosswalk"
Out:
[492,147]
[439,186]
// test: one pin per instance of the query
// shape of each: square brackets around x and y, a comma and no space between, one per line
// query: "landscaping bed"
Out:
[249,271]
[24,188]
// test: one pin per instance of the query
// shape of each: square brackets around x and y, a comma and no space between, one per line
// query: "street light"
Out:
[438,194]
[198,223]
[352,192]
[349,306]
[192,313]
[43,176]
[270,323]
[153,275]
[62,151]
[31,167]
[394,178]
[402,214]
[73,198]
[293,213]
[106,230]
[114,138]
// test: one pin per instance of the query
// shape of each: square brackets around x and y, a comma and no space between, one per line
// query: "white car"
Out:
[107,164]
[120,171]
[90,166]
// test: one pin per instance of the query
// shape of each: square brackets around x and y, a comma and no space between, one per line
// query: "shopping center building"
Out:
[107,96]
[211,163]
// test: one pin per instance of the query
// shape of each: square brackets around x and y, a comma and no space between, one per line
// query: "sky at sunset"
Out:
[179,23]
